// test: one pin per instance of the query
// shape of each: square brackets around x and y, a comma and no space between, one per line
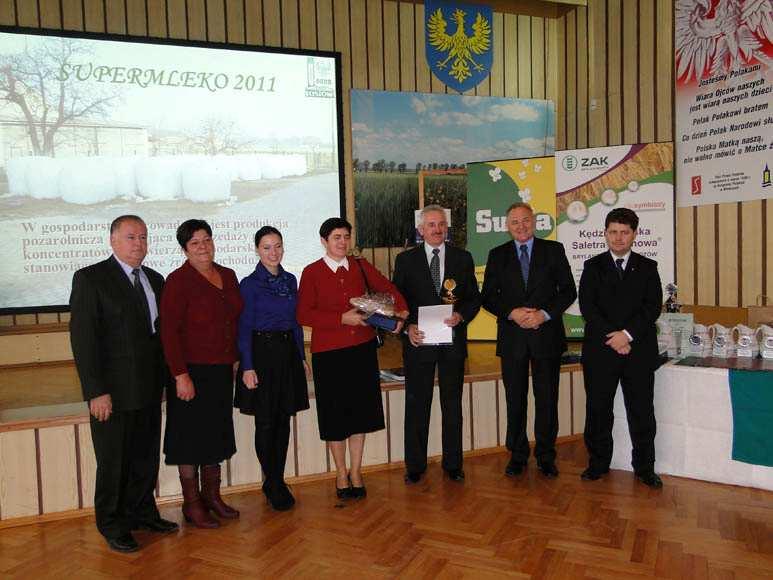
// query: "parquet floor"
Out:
[489,527]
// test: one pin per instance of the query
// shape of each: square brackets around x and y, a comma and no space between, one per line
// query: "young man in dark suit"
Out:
[527,285]
[434,273]
[117,351]
[620,298]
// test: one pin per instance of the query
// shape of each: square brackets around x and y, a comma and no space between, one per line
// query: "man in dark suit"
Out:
[527,285]
[620,299]
[114,337]
[434,273]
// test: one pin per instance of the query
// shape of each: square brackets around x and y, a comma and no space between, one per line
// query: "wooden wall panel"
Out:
[466,417]
[391,47]
[497,75]
[752,265]
[578,402]
[581,33]
[646,42]
[685,265]
[8,14]
[290,29]
[253,10]
[571,80]
[234,22]
[524,57]
[58,469]
[537,57]
[614,109]
[88,464]
[630,72]
[597,74]
[325,24]
[178,24]
[484,404]
[18,474]
[395,410]
[727,258]
[407,24]
[565,405]
[664,77]
[50,14]
[707,258]
[272,23]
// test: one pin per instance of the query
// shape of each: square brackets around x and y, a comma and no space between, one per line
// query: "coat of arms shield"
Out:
[458,42]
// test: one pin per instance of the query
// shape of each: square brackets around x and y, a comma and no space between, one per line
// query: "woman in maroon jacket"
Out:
[343,347]
[200,307]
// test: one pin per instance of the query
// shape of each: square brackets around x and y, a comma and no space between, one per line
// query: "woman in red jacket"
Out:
[343,347]
[200,309]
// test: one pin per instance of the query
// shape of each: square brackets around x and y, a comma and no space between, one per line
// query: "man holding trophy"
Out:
[430,276]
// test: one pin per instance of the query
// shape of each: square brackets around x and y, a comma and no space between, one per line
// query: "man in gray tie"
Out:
[435,273]
[527,285]
[117,351]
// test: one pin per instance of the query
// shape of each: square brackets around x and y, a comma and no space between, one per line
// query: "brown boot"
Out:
[194,510]
[210,492]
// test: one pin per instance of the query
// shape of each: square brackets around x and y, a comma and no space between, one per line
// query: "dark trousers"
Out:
[271,442]
[127,448]
[601,379]
[545,376]
[419,387]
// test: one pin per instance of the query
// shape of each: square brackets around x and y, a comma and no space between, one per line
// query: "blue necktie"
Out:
[524,259]
[619,267]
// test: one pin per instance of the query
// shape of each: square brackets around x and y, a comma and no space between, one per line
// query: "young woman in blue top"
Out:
[273,367]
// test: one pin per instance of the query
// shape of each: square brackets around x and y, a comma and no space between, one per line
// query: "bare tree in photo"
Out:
[39,85]
[217,135]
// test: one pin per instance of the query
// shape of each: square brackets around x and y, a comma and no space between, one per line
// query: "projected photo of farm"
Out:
[400,137]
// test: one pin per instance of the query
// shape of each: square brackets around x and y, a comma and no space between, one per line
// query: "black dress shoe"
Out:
[160,525]
[123,543]
[455,474]
[650,479]
[356,492]
[412,477]
[548,469]
[343,492]
[591,474]
[514,468]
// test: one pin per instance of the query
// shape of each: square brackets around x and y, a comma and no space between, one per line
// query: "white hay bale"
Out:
[88,180]
[249,167]
[125,177]
[43,177]
[16,172]
[159,178]
[207,181]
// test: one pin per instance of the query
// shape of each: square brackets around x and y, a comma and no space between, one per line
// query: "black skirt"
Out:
[282,386]
[201,431]
[348,391]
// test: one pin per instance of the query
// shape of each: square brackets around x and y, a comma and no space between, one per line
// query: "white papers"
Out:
[431,324]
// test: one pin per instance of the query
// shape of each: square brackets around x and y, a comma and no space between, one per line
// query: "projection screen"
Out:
[92,127]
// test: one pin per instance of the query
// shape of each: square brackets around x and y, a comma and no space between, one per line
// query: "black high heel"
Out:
[357,492]
[345,492]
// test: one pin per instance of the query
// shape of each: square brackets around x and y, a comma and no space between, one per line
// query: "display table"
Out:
[695,429]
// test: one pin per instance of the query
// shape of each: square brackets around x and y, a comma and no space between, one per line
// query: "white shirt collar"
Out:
[428,250]
[616,257]
[127,268]
[333,265]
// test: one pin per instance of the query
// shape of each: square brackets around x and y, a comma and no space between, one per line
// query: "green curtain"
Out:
[751,393]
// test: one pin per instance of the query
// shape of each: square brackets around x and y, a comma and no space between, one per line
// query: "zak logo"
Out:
[458,43]
[695,185]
